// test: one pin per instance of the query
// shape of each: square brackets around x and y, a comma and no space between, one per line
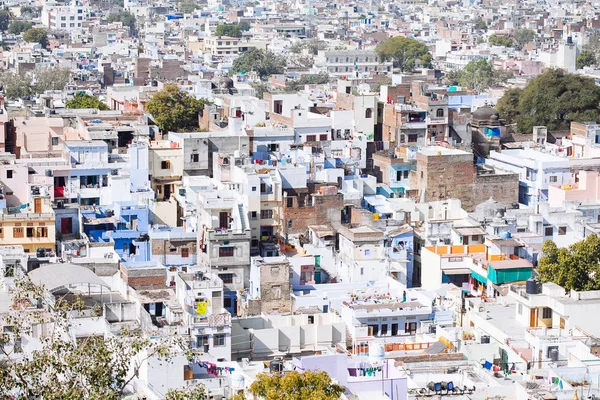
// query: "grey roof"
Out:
[57,276]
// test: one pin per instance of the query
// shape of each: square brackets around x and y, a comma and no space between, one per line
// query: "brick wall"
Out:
[145,278]
[454,176]
[326,209]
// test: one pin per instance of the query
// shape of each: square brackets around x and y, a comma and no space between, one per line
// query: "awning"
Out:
[478,277]
[456,271]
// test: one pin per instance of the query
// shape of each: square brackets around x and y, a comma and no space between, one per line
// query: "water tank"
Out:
[377,353]
[532,286]
[505,235]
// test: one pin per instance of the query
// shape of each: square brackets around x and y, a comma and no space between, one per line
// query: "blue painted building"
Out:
[399,246]
[125,224]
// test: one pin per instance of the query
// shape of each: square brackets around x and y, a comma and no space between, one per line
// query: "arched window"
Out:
[439,112]
[369,113]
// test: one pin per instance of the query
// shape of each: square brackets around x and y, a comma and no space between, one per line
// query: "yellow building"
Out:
[34,228]
[221,45]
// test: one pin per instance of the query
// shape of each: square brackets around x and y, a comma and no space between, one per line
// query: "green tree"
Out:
[554,99]
[231,30]
[18,27]
[15,86]
[478,75]
[83,100]
[174,110]
[244,26]
[480,24]
[593,44]
[126,18]
[264,62]
[575,268]
[296,386]
[36,35]
[49,78]
[5,17]
[62,367]
[500,40]
[585,59]
[522,37]
[508,105]
[187,6]
[405,52]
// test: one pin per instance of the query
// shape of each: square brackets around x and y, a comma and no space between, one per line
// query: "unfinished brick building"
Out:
[444,173]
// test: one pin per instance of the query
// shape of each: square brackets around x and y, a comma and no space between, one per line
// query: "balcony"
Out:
[229,234]
[437,120]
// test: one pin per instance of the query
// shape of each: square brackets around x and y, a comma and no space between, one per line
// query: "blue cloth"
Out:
[487,365]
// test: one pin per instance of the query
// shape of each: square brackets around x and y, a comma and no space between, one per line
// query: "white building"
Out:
[60,17]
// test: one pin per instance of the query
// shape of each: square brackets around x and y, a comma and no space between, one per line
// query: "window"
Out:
[195,157]
[42,232]
[546,313]
[562,230]
[362,271]
[227,43]
[1,233]
[9,174]
[520,309]
[63,18]
[323,138]
[18,233]
[201,340]
[253,215]
[406,172]
[273,147]
[30,232]
[225,251]
[54,141]
[548,231]
[367,252]
[220,43]
[266,214]
[254,188]
[218,340]
[278,107]
[276,290]
[254,243]
[227,303]
[311,138]
[9,271]
[369,113]
[185,252]
[413,138]
[165,164]
[226,278]
[553,179]
[439,113]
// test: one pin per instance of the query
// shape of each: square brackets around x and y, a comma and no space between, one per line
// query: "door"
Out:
[37,205]
[394,329]
[66,225]
[532,318]
[223,220]
[317,276]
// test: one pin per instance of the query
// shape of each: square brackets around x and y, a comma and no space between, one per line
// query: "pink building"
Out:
[587,188]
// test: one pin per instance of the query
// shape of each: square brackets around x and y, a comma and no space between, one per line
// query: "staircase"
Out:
[242,216]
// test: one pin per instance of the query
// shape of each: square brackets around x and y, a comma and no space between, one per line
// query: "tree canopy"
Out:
[405,52]
[187,6]
[264,62]
[480,24]
[174,110]
[478,75]
[126,18]
[296,386]
[5,17]
[593,45]
[552,99]
[575,268]
[522,37]
[500,40]
[232,30]
[18,27]
[585,59]
[38,81]
[65,367]
[36,35]
[83,100]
